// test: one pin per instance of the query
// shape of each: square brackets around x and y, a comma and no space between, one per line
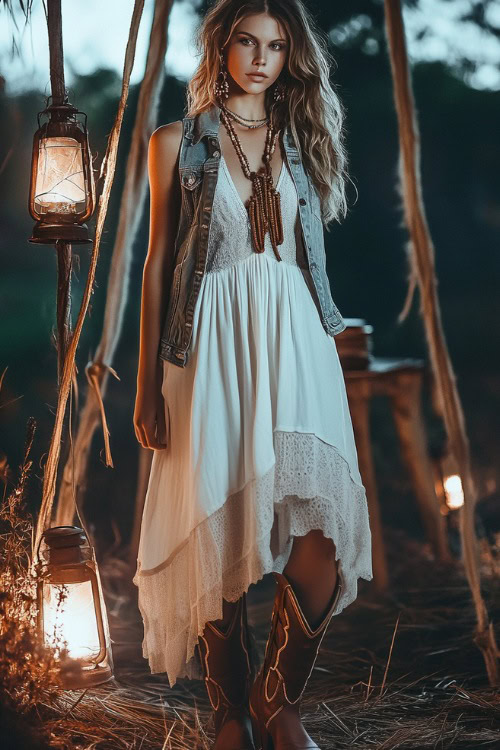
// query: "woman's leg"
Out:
[312,571]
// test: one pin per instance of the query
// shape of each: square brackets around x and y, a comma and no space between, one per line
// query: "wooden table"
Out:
[400,380]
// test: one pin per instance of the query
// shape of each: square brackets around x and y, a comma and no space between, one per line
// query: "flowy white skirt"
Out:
[260,449]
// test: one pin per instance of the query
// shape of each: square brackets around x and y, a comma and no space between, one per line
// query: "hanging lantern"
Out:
[62,191]
[71,609]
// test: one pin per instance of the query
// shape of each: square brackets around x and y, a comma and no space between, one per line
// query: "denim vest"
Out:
[199,160]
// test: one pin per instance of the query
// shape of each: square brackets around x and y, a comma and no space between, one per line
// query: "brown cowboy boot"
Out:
[291,651]
[227,662]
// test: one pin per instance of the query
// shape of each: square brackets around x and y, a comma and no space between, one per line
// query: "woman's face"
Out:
[257,44]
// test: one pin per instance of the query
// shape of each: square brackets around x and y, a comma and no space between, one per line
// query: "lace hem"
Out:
[308,487]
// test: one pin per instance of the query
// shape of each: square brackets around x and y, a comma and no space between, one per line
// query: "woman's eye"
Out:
[277,46]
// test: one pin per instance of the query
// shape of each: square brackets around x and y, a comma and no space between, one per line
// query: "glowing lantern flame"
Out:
[60,183]
[453,491]
[69,617]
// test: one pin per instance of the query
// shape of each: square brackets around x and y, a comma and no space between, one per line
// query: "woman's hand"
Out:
[149,418]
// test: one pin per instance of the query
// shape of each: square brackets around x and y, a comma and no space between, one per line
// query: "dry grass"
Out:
[398,671]
[28,676]
[395,671]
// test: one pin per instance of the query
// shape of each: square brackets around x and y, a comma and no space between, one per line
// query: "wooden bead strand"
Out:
[264,205]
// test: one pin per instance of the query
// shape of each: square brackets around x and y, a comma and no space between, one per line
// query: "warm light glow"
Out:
[69,615]
[453,491]
[60,183]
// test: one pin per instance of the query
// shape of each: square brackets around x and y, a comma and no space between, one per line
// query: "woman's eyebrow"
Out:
[254,37]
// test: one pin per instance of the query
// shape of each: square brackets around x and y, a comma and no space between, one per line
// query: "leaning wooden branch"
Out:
[133,197]
[421,259]
[107,173]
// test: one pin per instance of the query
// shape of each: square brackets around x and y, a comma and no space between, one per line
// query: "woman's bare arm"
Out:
[165,202]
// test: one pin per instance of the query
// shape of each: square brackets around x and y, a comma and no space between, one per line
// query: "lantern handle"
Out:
[37,553]
[66,107]
[84,529]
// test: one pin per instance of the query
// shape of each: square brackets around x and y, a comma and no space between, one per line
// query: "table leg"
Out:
[407,413]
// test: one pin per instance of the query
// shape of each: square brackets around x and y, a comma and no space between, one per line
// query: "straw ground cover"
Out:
[395,671]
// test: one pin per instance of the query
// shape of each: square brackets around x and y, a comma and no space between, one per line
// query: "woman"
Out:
[240,392]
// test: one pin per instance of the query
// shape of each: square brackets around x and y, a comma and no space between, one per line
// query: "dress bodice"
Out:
[230,239]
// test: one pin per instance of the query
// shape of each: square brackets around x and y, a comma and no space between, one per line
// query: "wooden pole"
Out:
[64,266]
[63,249]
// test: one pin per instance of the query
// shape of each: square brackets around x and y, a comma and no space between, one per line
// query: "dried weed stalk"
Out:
[27,672]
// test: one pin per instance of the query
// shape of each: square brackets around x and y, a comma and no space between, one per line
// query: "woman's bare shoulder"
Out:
[166,139]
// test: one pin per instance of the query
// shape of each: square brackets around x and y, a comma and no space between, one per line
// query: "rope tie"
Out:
[95,372]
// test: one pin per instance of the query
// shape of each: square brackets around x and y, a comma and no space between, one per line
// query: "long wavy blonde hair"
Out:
[311,107]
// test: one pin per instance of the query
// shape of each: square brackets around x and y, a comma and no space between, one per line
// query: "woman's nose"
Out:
[259,57]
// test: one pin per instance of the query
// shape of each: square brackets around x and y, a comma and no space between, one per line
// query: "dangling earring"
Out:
[279,92]
[221,86]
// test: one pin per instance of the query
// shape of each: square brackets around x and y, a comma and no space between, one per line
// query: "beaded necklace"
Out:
[264,205]
[245,120]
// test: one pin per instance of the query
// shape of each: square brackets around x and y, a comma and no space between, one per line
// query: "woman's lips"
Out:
[257,76]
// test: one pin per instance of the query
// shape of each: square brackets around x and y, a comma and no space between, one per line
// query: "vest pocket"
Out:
[191,178]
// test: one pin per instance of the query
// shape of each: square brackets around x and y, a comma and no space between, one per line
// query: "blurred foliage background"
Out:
[459,126]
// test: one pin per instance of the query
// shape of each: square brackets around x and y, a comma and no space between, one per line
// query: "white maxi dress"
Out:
[260,445]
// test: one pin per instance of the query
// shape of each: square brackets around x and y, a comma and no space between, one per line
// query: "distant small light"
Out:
[453,491]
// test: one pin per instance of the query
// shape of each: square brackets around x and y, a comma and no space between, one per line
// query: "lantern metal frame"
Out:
[51,227]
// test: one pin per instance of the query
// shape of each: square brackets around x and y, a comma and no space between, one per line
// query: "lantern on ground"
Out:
[62,191]
[71,609]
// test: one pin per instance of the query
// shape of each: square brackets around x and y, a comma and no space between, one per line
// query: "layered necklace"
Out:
[264,205]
